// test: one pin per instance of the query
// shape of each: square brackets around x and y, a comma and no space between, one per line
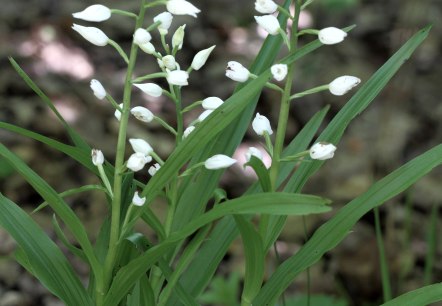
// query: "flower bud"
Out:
[177,77]
[141,36]
[148,48]
[150,89]
[279,71]
[91,34]
[117,113]
[140,146]
[137,201]
[167,62]
[178,38]
[261,125]
[142,114]
[95,13]
[188,131]
[182,7]
[97,157]
[331,36]
[266,6]
[166,20]
[204,115]
[137,161]
[343,84]
[322,151]
[212,103]
[269,23]
[255,152]
[200,58]
[153,169]
[219,161]
[98,89]
[237,72]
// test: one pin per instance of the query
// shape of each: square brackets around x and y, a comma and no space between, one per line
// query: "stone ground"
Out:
[403,122]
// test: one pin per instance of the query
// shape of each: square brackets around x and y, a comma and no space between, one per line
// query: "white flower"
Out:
[117,113]
[166,20]
[219,161]
[279,71]
[137,201]
[142,114]
[343,84]
[178,38]
[137,161]
[97,157]
[252,151]
[150,89]
[269,23]
[168,62]
[204,115]
[91,34]
[141,36]
[212,103]
[200,58]
[148,48]
[266,6]
[96,13]
[177,77]
[322,151]
[237,72]
[188,131]
[140,146]
[182,7]
[331,36]
[261,125]
[153,169]
[98,89]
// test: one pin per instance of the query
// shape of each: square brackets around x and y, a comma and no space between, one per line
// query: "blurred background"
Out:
[403,121]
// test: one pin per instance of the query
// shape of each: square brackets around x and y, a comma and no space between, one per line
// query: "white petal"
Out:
[95,13]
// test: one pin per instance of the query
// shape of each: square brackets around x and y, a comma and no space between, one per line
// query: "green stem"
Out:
[310,91]
[119,165]
[165,125]
[113,102]
[105,180]
[120,51]
[149,76]
[123,13]
[191,106]
[285,105]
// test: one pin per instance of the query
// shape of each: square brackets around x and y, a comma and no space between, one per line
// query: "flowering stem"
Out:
[157,158]
[285,105]
[309,91]
[105,180]
[153,26]
[268,84]
[123,13]
[165,125]
[164,43]
[120,51]
[285,38]
[149,76]
[119,165]
[192,106]
[155,3]
[308,31]
[284,12]
[113,102]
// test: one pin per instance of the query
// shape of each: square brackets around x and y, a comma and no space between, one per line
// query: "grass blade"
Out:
[43,256]
[76,138]
[420,297]
[335,230]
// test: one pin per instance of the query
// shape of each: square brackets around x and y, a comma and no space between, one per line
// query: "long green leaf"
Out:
[335,230]
[358,103]
[59,206]
[269,203]
[254,258]
[44,257]
[197,276]
[76,138]
[334,131]
[419,297]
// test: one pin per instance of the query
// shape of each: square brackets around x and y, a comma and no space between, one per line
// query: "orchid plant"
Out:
[176,267]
